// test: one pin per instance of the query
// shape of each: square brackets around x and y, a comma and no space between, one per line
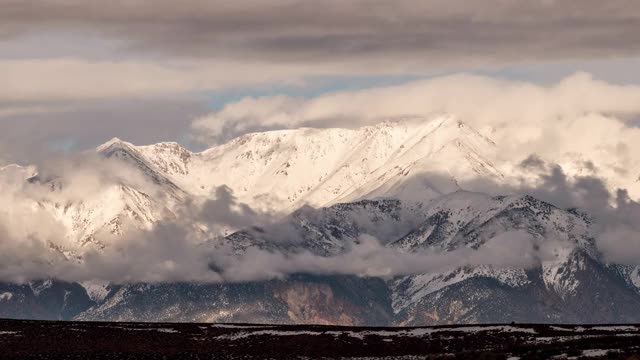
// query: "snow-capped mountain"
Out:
[277,171]
[283,170]
[400,182]
[280,171]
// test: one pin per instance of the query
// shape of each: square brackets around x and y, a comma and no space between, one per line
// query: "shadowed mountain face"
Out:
[300,299]
[367,182]
[46,300]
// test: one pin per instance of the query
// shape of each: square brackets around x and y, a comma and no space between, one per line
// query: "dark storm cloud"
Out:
[430,32]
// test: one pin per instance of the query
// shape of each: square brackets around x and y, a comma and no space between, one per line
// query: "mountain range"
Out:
[416,185]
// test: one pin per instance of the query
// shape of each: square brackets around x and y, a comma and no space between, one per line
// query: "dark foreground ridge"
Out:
[22,339]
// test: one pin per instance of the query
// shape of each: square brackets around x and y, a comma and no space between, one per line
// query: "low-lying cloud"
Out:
[368,257]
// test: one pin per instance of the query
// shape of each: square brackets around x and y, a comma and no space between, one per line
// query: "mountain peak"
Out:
[114,140]
[111,143]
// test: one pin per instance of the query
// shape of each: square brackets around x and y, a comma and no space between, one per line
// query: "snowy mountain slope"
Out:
[460,219]
[279,171]
[140,196]
[464,219]
[282,170]
[567,279]
[89,220]
[131,155]
[470,219]
[332,230]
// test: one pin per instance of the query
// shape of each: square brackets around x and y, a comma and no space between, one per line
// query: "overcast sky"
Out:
[74,73]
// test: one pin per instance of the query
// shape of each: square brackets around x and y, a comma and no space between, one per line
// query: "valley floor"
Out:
[22,339]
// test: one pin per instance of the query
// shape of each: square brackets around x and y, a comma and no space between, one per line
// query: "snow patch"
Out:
[163,330]
[39,286]
[97,290]
[419,286]
[596,352]
[417,332]
[560,274]
[634,276]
